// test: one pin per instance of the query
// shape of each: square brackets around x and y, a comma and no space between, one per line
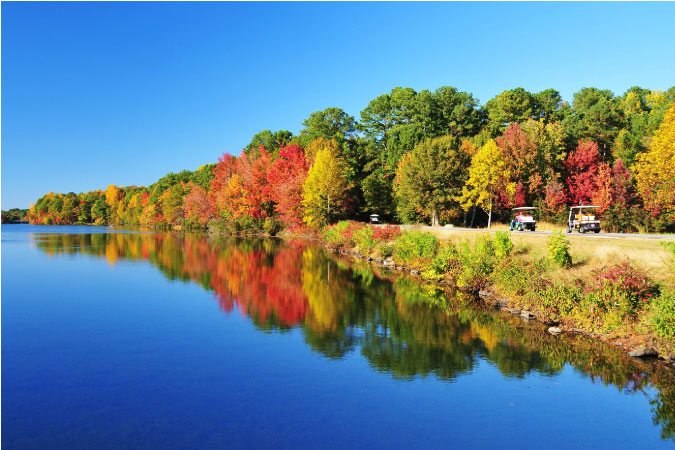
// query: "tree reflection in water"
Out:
[401,327]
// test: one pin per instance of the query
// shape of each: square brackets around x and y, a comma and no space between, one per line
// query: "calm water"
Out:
[145,340]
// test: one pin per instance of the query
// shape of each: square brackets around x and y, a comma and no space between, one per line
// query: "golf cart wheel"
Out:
[534,228]
[569,230]
[520,228]
[597,231]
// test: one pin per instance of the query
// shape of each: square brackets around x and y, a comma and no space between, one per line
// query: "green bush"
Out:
[446,264]
[559,249]
[363,238]
[605,308]
[503,244]
[415,248]
[385,249]
[519,277]
[272,226]
[234,226]
[477,264]
[663,315]
[560,300]
[333,235]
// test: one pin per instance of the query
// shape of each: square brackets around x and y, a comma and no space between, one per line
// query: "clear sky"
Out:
[122,93]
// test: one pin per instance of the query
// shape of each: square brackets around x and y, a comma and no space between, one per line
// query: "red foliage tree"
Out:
[520,153]
[582,169]
[623,192]
[286,177]
[555,197]
[222,172]
[198,205]
[604,185]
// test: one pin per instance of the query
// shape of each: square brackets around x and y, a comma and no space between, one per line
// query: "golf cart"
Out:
[522,219]
[374,218]
[582,219]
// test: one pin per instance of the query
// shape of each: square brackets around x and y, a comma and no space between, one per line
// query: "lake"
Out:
[129,339]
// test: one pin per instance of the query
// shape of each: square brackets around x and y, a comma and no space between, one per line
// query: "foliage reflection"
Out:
[399,326]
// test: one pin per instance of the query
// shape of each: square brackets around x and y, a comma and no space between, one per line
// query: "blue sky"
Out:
[122,93]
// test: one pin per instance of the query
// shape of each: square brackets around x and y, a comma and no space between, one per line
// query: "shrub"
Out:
[477,264]
[446,264]
[363,239]
[271,226]
[385,249]
[386,233]
[631,282]
[503,244]
[518,277]
[559,250]
[415,248]
[560,300]
[663,315]
[607,306]
[339,235]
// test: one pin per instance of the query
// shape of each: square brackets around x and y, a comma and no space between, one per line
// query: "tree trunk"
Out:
[465,216]
[434,218]
[328,211]
[490,215]
[473,215]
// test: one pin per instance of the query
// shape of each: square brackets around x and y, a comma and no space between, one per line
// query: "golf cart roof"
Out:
[584,206]
[523,208]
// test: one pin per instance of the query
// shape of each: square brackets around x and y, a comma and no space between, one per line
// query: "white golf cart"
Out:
[522,219]
[582,219]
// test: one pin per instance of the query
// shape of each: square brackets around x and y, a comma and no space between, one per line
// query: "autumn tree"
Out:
[520,154]
[582,169]
[286,177]
[323,194]
[429,180]
[555,197]
[222,172]
[602,194]
[488,174]
[655,169]
[198,206]
[321,143]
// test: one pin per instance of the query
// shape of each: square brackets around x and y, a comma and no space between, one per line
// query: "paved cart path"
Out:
[574,233]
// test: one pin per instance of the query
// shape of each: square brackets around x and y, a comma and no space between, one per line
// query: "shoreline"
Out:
[644,351]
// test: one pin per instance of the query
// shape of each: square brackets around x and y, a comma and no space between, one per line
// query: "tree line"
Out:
[421,157]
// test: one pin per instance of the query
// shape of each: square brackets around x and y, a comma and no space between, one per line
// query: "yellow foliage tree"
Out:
[655,170]
[236,198]
[112,195]
[320,144]
[323,193]
[488,174]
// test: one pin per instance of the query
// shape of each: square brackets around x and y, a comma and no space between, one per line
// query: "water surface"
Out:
[156,340]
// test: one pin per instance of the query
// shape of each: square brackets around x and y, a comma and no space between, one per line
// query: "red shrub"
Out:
[386,233]
[632,280]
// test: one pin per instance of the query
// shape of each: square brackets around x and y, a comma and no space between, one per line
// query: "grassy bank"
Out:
[618,290]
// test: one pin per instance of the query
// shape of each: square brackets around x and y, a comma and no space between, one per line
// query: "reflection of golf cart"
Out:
[522,219]
[581,219]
